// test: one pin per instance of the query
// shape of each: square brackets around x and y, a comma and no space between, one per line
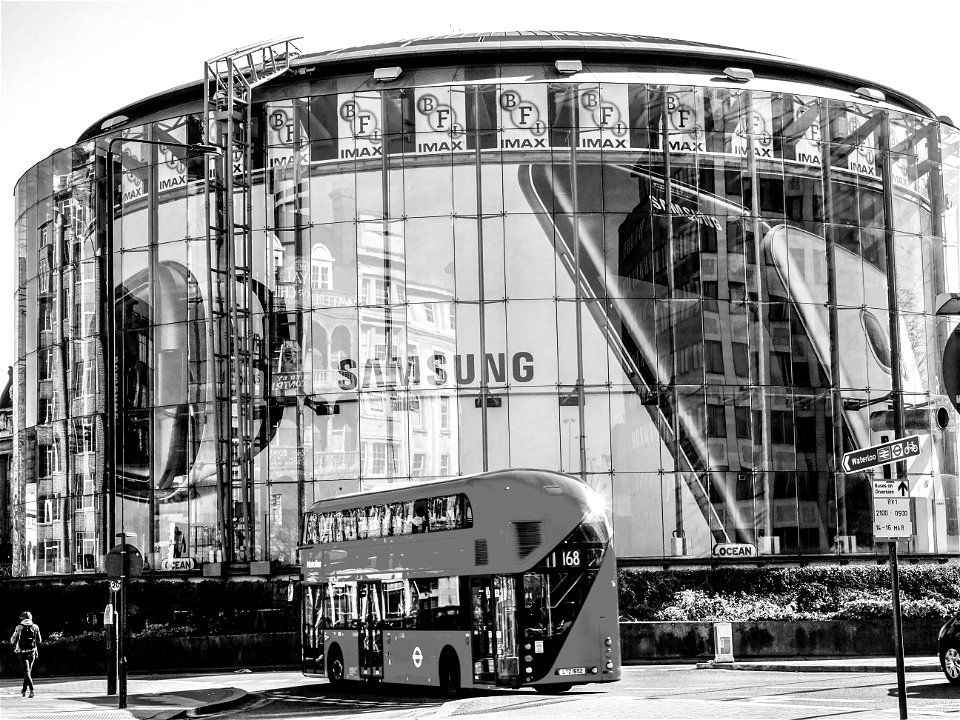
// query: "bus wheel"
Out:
[449,673]
[335,667]
[554,689]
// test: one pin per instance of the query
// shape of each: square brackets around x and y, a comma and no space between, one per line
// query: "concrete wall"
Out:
[653,641]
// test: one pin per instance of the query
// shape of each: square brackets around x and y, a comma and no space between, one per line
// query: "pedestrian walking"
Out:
[25,640]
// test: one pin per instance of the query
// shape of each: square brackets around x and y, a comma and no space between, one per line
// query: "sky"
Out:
[65,65]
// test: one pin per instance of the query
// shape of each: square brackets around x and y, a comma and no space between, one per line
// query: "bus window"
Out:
[420,523]
[395,604]
[438,604]
[552,601]
[343,604]
[348,522]
[401,518]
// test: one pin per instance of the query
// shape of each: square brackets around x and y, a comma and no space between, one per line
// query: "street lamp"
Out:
[109,302]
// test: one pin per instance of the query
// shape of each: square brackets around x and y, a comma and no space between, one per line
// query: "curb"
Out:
[237,697]
[814,667]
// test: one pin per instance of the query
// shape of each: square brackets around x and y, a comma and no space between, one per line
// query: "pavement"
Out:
[861,665]
[149,697]
[163,697]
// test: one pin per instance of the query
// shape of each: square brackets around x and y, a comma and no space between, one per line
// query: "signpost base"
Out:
[898,629]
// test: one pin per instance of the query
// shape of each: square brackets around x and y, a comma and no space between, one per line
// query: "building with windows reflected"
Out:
[691,275]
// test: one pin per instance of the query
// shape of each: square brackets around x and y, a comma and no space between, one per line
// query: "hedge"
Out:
[188,606]
[813,592]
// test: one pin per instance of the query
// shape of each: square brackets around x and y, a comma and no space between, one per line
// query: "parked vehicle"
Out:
[949,640]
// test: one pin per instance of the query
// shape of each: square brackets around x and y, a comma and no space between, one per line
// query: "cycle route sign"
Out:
[883,454]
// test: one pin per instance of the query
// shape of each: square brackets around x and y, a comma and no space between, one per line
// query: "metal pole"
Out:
[122,626]
[833,324]
[109,353]
[898,630]
[675,450]
[481,295]
[112,648]
[746,126]
[578,284]
[896,388]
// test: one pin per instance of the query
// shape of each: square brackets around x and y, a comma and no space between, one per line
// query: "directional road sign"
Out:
[893,488]
[890,452]
[891,518]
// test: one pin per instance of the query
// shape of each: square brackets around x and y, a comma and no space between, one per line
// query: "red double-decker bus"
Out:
[500,579]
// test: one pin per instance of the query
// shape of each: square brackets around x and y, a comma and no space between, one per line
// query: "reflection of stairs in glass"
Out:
[236,350]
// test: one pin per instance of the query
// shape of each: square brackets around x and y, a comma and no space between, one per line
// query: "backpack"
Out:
[28,639]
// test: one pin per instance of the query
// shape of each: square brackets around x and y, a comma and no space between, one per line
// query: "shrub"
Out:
[808,593]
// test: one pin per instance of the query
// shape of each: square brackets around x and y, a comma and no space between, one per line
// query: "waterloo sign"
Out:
[883,454]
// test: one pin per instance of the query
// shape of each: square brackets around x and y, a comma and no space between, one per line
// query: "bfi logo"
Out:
[439,128]
[523,126]
[602,120]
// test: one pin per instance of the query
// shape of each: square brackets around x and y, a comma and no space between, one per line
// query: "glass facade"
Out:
[686,291]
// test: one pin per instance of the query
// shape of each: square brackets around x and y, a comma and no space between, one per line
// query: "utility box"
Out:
[723,642]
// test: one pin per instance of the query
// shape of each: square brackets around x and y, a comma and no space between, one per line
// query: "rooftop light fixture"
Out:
[946,119]
[870,94]
[386,74]
[738,74]
[568,67]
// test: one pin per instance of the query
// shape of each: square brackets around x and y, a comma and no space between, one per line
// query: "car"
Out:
[949,640]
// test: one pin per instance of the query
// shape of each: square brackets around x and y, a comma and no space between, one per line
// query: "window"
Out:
[416,468]
[86,550]
[713,356]
[716,421]
[378,458]
[48,509]
[83,493]
[444,465]
[453,316]
[49,560]
[432,514]
[742,416]
[45,364]
[429,313]
[48,460]
[741,364]
[781,426]
[445,413]
[437,602]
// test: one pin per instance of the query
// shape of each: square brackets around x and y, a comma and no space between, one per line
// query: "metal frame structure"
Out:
[235,342]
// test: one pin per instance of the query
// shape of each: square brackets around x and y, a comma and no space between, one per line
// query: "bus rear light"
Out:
[526,646]
[529,669]
[528,658]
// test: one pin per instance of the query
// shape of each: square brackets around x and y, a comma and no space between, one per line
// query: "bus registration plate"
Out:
[572,671]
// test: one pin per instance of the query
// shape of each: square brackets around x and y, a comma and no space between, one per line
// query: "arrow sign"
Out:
[903,489]
[883,454]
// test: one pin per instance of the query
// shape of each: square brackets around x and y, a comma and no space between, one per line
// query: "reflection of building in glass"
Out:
[680,289]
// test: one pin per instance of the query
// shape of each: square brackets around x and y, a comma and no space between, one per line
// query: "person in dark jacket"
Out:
[26,638]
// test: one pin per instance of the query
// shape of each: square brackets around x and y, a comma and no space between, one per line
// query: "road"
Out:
[648,692]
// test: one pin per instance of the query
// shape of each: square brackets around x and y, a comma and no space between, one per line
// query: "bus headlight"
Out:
[609,664]
[594,670]
[608,642]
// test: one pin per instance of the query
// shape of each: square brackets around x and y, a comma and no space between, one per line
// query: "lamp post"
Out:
[109,354]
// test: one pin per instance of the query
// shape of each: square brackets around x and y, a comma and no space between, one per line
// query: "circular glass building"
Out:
[694,276]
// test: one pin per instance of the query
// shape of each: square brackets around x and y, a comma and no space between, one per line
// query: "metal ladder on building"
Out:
[237,347]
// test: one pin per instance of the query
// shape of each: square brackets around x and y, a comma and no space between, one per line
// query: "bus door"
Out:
[370,628]
[494,630]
